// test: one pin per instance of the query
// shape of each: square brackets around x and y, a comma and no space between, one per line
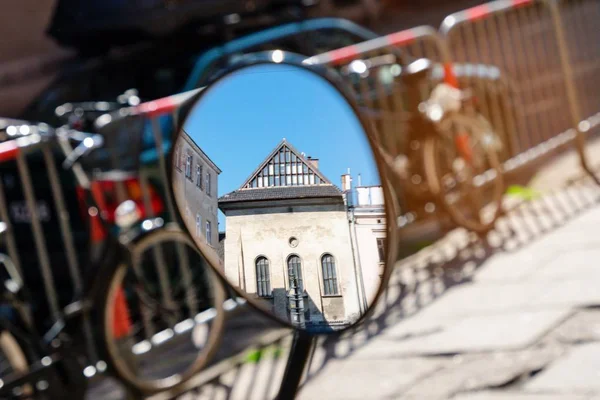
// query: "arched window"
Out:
[295,272]
[330,286]
[263,279]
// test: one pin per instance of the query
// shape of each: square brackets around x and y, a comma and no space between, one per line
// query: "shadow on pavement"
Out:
[418,280]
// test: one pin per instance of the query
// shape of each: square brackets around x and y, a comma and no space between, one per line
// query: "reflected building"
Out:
[366,215]
[290,241]
[196,180]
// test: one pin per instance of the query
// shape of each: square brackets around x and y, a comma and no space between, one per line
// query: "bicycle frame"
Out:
[55,362]
[110,254]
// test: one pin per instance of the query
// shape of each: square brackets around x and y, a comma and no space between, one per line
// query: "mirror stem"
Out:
[296,364]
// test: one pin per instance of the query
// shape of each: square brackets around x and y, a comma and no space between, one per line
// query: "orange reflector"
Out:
[463,145]
[121,318]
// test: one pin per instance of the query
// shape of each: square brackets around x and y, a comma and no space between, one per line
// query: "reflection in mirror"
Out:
[273,172]
[168,306]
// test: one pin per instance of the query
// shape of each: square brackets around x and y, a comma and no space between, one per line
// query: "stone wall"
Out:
[319,230]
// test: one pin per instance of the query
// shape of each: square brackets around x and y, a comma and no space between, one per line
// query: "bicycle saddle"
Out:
[416,71]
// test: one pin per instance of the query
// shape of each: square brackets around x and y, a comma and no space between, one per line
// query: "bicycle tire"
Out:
[432,170]
[115,356]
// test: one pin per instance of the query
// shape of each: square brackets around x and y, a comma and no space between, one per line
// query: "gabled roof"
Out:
[284,174]
[275,158]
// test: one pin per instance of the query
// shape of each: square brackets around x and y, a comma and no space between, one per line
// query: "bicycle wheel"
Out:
[13,360]
[464,173]
[163,314]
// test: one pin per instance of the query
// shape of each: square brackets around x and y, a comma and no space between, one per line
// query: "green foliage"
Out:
[522,192]
[254,356]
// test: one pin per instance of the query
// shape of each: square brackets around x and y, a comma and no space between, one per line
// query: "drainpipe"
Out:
[360,288]
[349,203]
[358,264]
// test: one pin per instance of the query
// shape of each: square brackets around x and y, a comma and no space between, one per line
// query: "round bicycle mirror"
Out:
[275,179]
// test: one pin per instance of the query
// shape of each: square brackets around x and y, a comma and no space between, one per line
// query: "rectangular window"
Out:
[198,225]
[188,167]
[208,188]
[381,249]
[208,233]
[201,184]
[178,158]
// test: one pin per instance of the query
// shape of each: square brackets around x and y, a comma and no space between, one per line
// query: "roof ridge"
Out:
[282,188]
[282,192]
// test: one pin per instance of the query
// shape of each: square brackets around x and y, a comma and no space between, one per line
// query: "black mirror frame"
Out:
[335,80]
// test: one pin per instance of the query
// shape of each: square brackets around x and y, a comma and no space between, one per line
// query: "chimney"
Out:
[346,181]
[359,181]
[314,162]
[347,187]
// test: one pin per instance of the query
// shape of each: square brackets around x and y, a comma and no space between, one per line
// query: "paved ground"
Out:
[515,317]
[522,324]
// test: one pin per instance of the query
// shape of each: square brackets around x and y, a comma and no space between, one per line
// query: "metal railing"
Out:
[531,63]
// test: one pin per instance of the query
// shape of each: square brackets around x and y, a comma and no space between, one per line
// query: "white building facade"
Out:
[366,214]
[288,231]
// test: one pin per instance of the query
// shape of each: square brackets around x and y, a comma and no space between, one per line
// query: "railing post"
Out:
[575,109]
[296,364]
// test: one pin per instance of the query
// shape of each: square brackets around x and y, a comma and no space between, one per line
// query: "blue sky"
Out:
[241,119]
